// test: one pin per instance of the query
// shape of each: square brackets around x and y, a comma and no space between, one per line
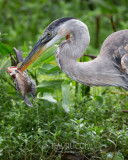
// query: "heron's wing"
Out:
[124,63]
[120,58]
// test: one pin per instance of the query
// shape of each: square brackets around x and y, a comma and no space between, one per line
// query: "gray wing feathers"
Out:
[124,63]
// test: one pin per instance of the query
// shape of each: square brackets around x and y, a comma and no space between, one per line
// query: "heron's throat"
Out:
[71,49]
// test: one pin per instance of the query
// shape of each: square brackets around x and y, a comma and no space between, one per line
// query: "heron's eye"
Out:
[49,34]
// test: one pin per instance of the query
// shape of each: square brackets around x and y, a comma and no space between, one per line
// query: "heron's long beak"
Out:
[35,52]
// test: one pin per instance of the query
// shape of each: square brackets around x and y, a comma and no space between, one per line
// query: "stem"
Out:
[97,31]
[121,93]
[125,111]
[25,154]
[113,25]
[76,93]
[89,55]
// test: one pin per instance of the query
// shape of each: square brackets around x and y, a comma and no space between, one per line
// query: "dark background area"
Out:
[24,21]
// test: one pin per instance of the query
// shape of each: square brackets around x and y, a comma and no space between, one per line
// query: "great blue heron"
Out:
[110,68]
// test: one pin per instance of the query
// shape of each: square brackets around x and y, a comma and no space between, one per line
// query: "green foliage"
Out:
[66,116]
[5,49]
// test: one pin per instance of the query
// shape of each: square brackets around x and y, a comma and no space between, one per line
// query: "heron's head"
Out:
[54,32]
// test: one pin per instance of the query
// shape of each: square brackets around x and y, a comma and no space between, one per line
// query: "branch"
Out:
[113,25]
[125,111]
[97,31]
[121,93]
[91,56]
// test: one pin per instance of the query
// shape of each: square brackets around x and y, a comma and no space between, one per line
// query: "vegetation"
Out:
[68,119]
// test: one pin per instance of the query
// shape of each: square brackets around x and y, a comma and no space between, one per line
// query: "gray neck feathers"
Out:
[73,48]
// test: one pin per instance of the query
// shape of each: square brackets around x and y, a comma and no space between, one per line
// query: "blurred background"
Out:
[24,21]
[64,112]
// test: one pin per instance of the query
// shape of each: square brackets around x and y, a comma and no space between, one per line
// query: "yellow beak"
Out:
[27,64]
[36,51]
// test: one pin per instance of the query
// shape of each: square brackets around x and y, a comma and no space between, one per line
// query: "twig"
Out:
[114,154]
[121,93]
[97,31]
[25,154]
[114,150]
[113,25]
[91,56]
[125,111]
[108,149]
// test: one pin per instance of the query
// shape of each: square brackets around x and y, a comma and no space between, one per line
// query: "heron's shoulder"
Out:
[117,37]
[115,47]
[118,51]
[114,41]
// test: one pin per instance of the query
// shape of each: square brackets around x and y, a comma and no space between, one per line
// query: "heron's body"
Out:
[105,70]
[110,68]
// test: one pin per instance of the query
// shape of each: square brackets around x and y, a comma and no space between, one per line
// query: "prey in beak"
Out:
[23,83]
[21,79]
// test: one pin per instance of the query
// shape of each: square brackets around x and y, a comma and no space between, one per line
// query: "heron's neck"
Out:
[79,71]
[69,51]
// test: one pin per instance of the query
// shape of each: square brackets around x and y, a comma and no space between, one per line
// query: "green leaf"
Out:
[99,130]
[99,99]
[4,65]
[118,156]
[5,49]
[47,97]
[46,57]
[49,69]
[66,95]
[44,68]
[54,70]
[111,142]
[49,85]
